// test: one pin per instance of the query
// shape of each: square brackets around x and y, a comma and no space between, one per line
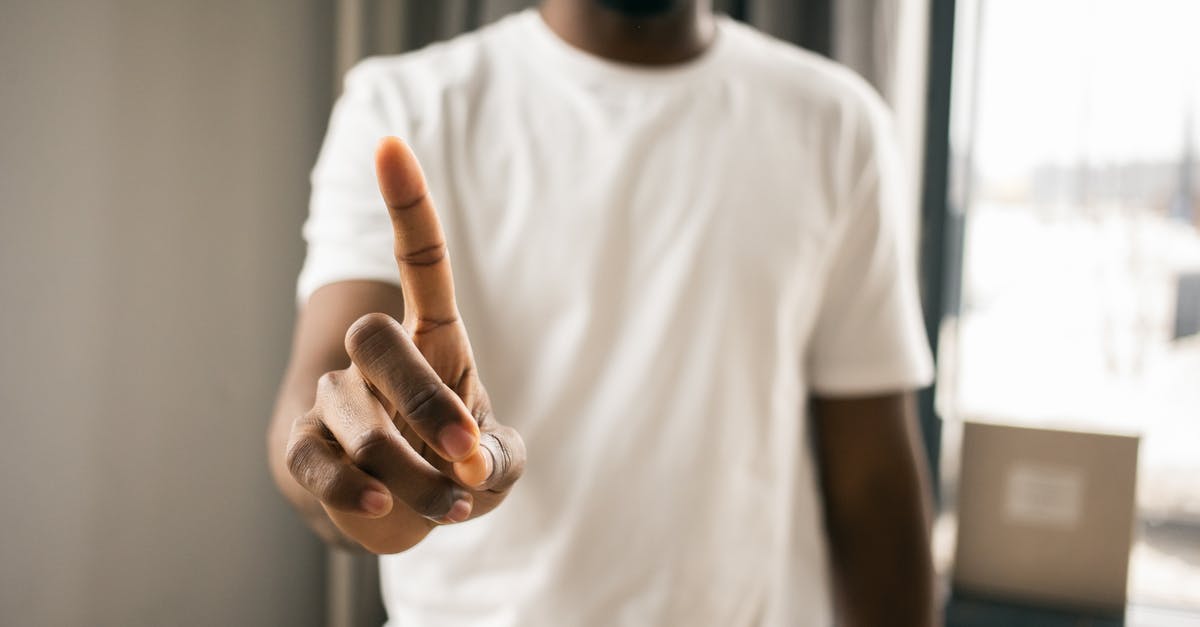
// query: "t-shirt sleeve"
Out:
[869,335]
[348,231]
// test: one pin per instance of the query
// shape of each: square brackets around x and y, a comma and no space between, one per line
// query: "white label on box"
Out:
[1044,495]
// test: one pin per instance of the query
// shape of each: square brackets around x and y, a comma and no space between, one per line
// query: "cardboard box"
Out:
[1046,516]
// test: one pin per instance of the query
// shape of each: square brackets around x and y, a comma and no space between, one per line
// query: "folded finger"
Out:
[366,433]
[319,466]
[385,355]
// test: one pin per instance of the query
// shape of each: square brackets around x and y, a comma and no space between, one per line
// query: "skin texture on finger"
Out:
[500,457]
[369,438]
[318,465]
[387,358]
[420,244]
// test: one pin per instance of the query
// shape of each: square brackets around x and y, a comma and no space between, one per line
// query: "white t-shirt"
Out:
[656,268]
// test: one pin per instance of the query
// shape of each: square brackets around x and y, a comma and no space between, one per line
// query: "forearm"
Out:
[882,564]
[878,509]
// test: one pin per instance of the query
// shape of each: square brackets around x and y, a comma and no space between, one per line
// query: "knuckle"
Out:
[364,333]
[366,445]
[301,452]
[426,406]
[418,195]
[426,256]
[331,484]
[328,381]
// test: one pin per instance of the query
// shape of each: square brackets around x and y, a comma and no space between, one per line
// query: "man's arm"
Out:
[317,348]
[877,508]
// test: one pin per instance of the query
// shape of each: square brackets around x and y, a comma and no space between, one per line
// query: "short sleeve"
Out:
[348,232]
[869,336]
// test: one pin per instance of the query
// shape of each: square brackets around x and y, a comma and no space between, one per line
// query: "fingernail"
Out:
[456,441]
[475,469]
[459,511]
[375,503]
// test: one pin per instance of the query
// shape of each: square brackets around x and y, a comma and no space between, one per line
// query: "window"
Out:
[1075,136]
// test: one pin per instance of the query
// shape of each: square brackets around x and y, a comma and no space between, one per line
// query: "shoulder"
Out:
[802,78]
[413,83]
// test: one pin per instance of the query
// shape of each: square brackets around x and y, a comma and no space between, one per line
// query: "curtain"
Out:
[882,40]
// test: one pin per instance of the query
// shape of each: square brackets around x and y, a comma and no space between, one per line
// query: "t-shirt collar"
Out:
[588,67]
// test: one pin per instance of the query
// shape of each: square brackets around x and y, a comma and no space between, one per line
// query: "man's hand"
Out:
[405,439]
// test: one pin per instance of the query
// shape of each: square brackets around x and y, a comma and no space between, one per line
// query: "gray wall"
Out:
[153,177]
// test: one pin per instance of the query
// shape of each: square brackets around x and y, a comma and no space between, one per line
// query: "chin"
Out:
[640,8]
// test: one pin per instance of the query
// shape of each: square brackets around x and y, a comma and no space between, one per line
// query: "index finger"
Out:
[420,245]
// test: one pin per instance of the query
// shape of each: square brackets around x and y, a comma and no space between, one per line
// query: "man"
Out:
[676,256]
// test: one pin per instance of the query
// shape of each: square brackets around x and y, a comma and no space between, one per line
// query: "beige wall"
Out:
[153,177]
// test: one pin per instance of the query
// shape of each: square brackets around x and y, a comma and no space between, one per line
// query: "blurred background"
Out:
[153,178]
[1075,191]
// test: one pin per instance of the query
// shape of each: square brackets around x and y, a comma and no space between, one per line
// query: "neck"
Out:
[675,35]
